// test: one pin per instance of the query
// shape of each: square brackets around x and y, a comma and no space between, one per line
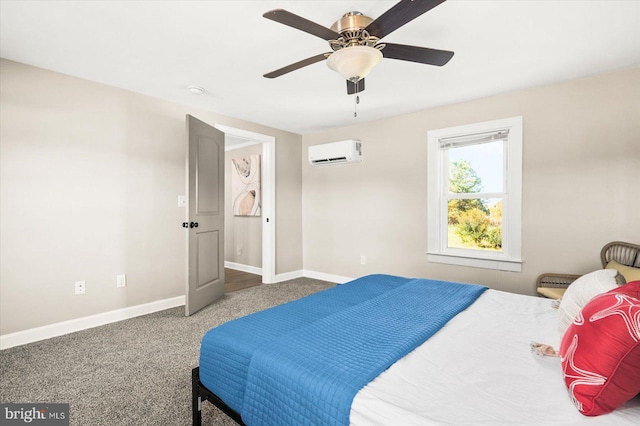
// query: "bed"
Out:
[386,350]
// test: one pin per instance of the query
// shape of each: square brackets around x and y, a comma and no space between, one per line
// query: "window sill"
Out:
[497,264]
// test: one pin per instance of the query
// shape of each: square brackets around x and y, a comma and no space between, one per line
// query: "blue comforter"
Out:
[303,362]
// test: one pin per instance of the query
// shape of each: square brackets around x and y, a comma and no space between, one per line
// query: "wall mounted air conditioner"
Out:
[349,151]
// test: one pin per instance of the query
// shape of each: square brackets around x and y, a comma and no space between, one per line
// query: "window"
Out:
[475,200]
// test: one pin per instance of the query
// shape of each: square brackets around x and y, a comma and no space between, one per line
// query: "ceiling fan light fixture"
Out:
[354,62]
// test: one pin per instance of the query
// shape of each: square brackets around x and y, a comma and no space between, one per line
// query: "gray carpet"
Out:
[137,371]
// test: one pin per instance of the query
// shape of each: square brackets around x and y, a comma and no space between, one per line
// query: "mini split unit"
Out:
[349,151]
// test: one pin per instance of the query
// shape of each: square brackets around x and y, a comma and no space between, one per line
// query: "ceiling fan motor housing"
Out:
[351,28]
[351,21]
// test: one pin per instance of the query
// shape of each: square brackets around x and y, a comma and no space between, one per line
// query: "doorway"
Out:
[241,137]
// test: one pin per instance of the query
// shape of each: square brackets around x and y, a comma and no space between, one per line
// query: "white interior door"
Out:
[205,221]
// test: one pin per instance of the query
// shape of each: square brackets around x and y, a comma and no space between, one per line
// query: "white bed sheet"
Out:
[478,370]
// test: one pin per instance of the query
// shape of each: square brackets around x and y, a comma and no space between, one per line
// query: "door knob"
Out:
[193,225]
[185,224]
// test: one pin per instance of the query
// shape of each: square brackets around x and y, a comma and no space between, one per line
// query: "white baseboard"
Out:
[288,276]
[66,327]
[58,329]
[326,277]
[244,268]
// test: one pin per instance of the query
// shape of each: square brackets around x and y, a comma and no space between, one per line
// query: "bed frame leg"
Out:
[199,394]
[196,399]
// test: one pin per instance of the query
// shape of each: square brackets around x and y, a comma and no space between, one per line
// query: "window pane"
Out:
[476,168]
[475,224]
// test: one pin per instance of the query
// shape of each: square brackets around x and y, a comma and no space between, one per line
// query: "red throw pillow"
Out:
[600,351]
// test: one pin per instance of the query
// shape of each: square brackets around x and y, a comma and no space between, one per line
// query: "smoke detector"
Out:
[196,90]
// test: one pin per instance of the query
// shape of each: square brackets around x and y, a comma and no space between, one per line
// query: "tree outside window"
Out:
[474,223]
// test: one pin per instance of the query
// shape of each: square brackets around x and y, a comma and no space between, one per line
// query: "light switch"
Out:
[182,201]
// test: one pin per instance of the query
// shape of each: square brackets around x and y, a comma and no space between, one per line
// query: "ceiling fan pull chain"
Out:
[355,107]
[356,102]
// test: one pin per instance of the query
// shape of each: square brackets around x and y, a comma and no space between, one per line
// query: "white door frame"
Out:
[268,197]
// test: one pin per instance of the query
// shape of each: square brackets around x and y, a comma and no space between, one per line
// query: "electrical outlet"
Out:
[363,260]
[239,251]
[80,287]
[121,280]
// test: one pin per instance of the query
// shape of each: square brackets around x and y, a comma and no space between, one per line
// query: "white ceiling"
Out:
[158,48]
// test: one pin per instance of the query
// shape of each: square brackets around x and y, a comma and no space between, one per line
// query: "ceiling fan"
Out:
[354,40]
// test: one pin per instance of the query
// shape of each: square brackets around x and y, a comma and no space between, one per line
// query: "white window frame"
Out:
[510,257]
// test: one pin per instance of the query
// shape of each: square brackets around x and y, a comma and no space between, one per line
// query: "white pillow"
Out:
[580,292]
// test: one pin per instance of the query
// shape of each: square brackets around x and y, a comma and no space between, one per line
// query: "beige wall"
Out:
[581,184]
[90,174]
[243,234]
[89,183]
[289,187]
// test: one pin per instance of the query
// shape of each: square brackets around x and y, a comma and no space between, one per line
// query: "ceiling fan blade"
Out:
[423,55]
[403,12]
[297,65]
[351,87]
[287,18]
